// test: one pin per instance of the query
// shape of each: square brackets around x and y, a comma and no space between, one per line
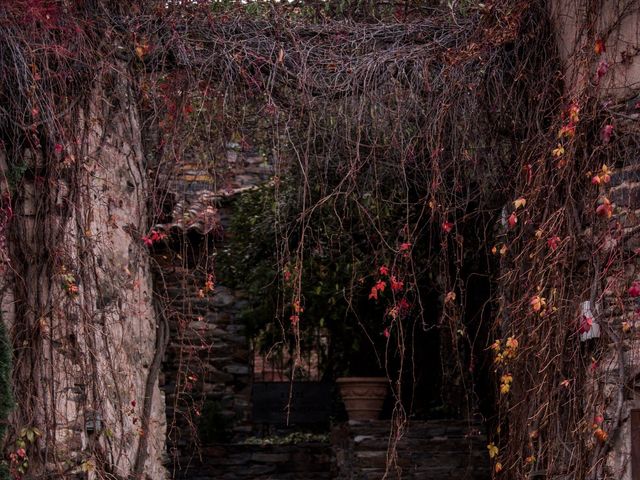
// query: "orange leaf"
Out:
[537,303]
[520,202]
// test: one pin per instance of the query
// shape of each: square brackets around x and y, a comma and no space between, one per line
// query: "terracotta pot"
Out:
[363,396]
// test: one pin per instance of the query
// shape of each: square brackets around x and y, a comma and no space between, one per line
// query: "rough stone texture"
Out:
[431,450]
[302,461]
[619,28]
[619,307]
[622,81]
[89,353]
[442,449]
[208,363]
[206,370]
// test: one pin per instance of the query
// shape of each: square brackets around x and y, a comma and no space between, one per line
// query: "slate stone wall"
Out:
[206,369]
[300,461]
[206,373]
[438,449]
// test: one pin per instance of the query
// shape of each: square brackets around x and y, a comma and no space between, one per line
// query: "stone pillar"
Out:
[80,302]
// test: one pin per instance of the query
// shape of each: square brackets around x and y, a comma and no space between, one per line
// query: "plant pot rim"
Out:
[362,379]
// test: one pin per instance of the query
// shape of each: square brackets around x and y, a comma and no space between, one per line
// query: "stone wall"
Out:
[618,372]
[443,449]
[439,449]
[206,369]
[578,25]
[77,297]
[207,378]
[241,461]
[206,375]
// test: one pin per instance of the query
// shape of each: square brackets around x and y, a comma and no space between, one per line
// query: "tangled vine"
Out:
[460,125]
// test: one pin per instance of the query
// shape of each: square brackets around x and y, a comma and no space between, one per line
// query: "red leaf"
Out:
[603,68]
[607,131]
[384,270]
[403,305]
[605,209]
[513,219]
[396,285]
[585,324]
[568,130]
[376,289]
[634,290]
[447,226]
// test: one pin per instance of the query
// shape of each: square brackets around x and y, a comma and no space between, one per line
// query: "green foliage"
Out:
[293,438]
[249,260]
[336,273]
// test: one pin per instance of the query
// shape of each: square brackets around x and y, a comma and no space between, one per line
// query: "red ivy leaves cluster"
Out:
[153,237]
[396,285]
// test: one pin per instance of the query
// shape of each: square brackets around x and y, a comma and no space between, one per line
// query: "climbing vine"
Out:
[460,123]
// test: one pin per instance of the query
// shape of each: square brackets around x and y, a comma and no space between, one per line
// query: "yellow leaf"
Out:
[493,450]
[507,379]
[537,303]
[558,151]
[88,466]
[520,202]
[504,388]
